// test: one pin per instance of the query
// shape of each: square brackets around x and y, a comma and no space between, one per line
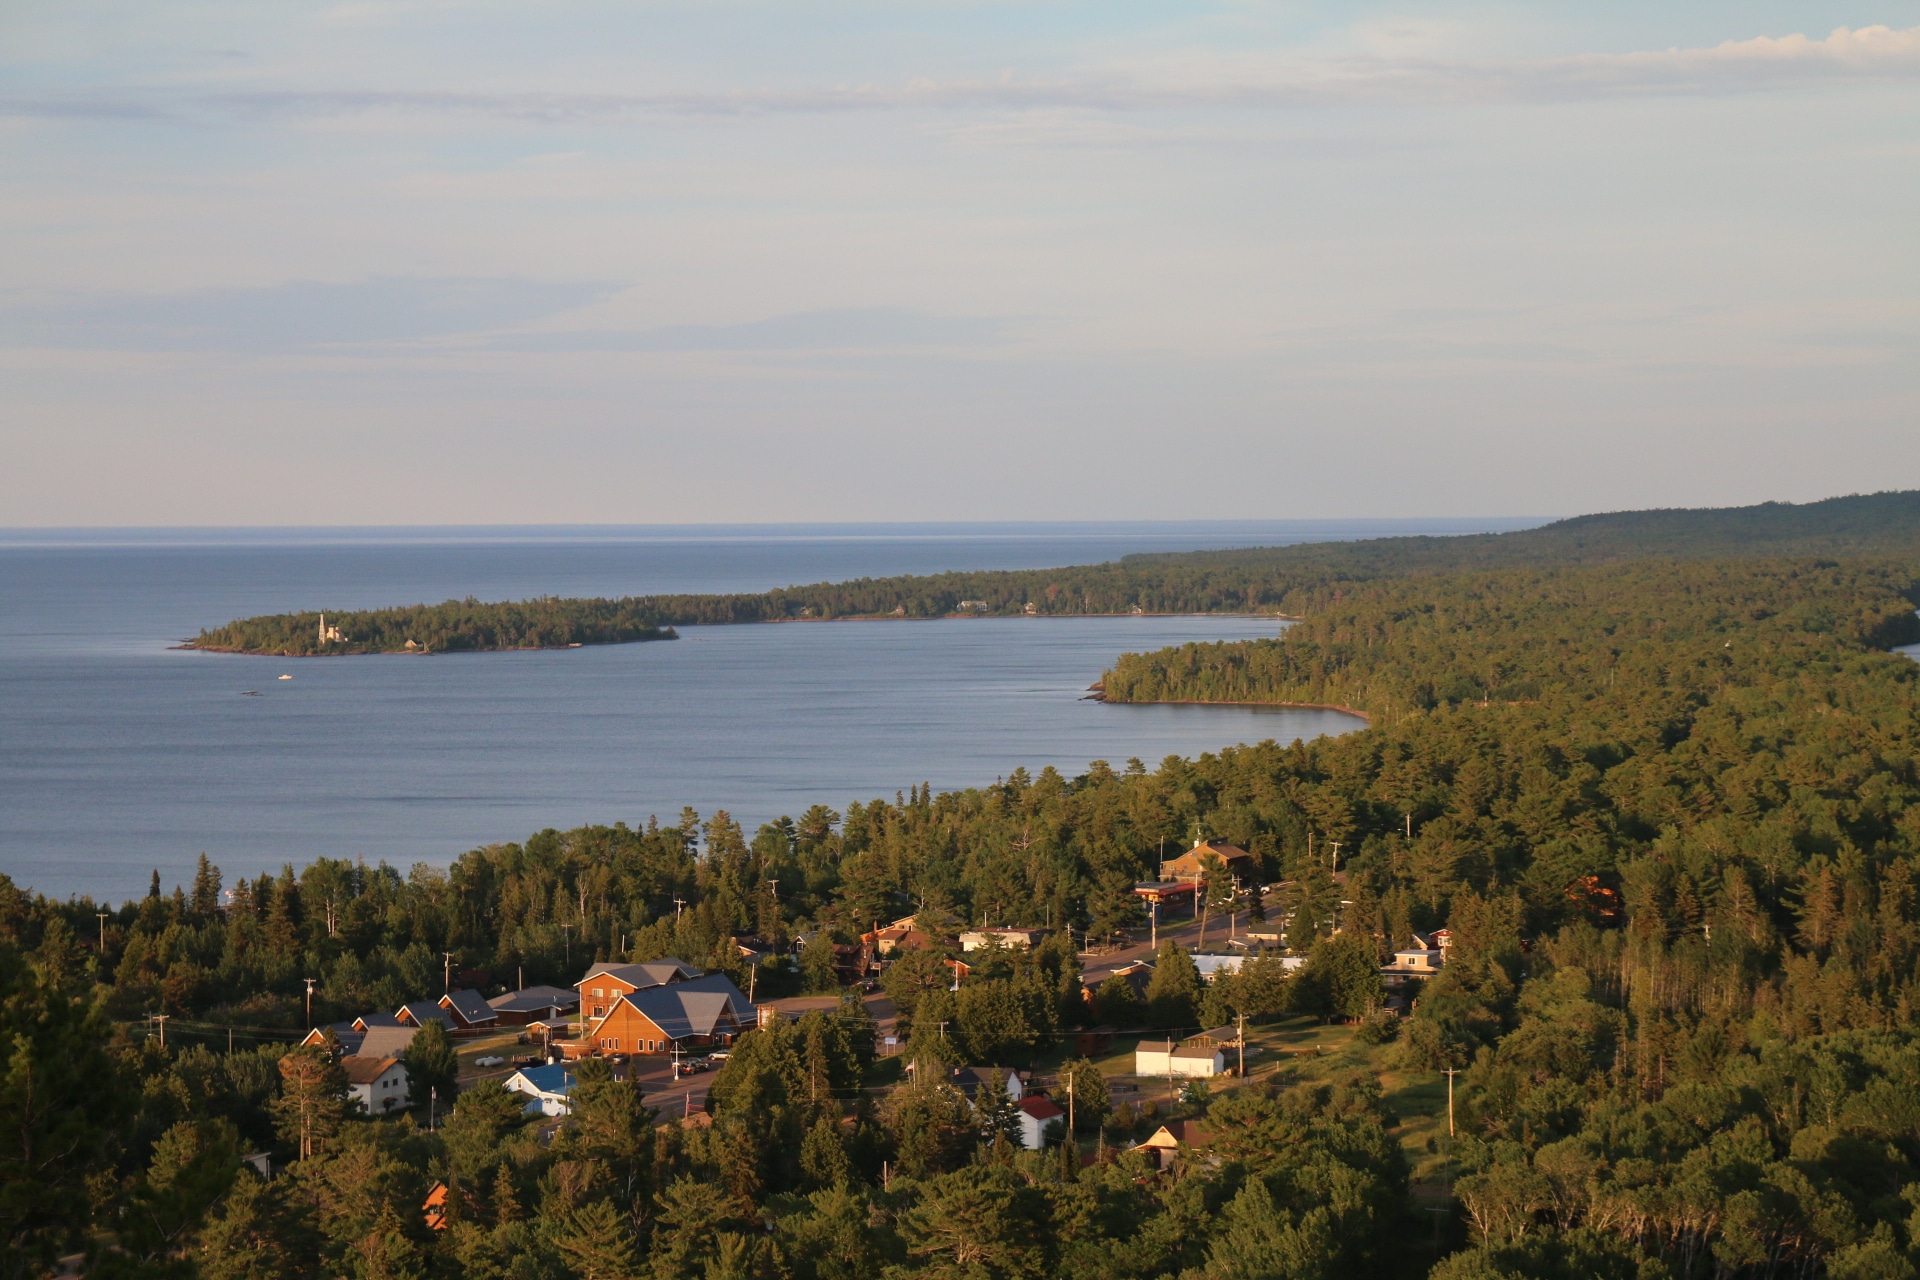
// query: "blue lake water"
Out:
[119,754]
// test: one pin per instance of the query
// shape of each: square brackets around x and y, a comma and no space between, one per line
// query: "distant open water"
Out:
[119,754]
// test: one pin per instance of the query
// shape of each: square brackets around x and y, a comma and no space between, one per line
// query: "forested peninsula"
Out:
[1666,805]
[1292,580]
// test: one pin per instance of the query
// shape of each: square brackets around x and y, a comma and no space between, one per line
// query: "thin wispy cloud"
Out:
[1198,79]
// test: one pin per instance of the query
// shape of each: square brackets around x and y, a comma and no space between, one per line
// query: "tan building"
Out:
[1191,866]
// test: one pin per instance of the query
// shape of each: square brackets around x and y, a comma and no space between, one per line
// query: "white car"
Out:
[491,1060]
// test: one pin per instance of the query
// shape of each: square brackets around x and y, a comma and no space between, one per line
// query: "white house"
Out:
[1036,1114]
[1153,1058]
[379,1085]
[549,1089]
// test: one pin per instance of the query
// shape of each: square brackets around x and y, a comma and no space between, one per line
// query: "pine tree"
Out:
[506,1201]
[206,889]
[1175,988]
[313,1099]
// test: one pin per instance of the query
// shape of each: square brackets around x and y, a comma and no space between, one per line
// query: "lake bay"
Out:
[121,754]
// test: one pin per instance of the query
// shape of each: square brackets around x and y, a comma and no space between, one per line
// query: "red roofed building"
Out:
[1036,1113]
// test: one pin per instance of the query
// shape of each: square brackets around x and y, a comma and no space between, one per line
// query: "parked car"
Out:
[695,1064]
[719,1055]
[491,1060]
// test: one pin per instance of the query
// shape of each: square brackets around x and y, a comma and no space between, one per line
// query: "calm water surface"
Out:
[120,754]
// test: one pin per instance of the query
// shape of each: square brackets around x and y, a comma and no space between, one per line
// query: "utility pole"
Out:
[1336,857]
[1153,909]
[161,1018]
[446,965]
[1450,1073]
[103,934]
[1243,1046]
[679,905]
[1409,826]
[309,982]
[1070,1137]
[520,977]
[229,1039]
[433,1106]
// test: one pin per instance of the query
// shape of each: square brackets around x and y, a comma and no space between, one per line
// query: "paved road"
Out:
[1095,968]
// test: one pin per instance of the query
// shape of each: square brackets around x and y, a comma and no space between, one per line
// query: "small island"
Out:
[455,626]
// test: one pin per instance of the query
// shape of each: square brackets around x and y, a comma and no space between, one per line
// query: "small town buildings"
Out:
[548,1089]
[373,1042]
[1168,1140]
[378,1085]
[1192,865]
[1156,1058]
[970,1080]
[418,1013]
[533,1004]
[1412,962]
[470,1010]
[701,1011]
[1015,939]
[1169,896]
[884,940]
[1138,975]
[605,983]
[1036,1113]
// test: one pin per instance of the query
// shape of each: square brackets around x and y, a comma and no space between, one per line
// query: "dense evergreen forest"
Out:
[1668,805]
[452,627]
[1277,579]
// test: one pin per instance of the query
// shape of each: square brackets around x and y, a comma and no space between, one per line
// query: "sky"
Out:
[440,262]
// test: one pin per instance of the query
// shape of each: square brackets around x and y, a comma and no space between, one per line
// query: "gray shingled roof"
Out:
[423,1010]
[470,1005]
[385,1042]
[695,1007]
[536,1000]
[648,973]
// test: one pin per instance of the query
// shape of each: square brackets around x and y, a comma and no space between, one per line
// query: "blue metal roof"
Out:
[552,1078]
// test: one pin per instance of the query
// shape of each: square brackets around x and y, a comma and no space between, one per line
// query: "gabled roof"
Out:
[535,1000]
[470,1005]
[1174,1132]
[695,1007]
[1196,1051]
[346,1033]
[1039,1108]
[552,1078]
[385,1042]
[647,973]
[420,1012]
[367,1020]
[366,1070]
